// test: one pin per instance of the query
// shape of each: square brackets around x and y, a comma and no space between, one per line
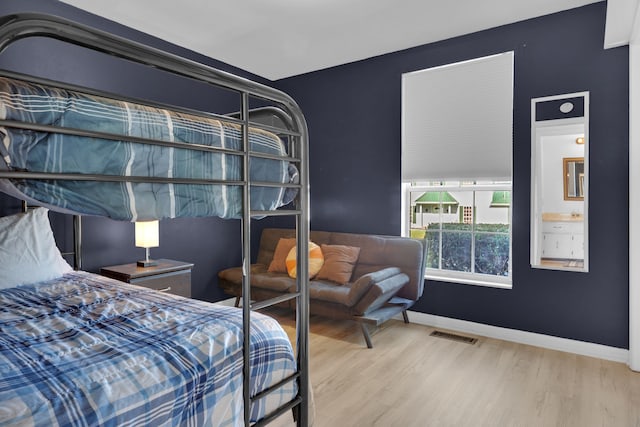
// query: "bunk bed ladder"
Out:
[300,404]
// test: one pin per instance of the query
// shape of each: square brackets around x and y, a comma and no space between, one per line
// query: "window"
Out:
[457,145]
[467,228]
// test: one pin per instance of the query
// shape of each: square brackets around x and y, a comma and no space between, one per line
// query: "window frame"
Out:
[462,277]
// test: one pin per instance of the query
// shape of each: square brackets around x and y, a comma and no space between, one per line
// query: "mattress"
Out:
[85,350]
[55,152]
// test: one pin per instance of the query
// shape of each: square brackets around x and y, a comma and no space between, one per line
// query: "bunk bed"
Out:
[203,164]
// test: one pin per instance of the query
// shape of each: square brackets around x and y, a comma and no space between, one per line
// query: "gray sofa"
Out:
[387,277]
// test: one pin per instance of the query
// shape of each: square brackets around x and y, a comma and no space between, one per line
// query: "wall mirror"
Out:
[560,182]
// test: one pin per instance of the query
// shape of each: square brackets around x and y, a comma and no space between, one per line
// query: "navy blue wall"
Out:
[354,115]
[211,243]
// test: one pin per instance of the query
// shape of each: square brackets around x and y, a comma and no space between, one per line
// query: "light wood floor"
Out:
[410,379]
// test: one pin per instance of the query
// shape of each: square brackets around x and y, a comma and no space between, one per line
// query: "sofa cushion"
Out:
[274,282]
[339,261]
[260,278]
[330,292]
[278,263]
[315,260]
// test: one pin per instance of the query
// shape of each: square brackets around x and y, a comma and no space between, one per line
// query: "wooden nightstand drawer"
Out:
[167,276]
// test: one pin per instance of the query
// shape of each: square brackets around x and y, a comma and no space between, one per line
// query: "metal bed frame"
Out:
[19,26]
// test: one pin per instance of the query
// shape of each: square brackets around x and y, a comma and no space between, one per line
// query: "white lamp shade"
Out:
[147,234]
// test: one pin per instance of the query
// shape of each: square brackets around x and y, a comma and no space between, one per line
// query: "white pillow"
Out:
[28,251]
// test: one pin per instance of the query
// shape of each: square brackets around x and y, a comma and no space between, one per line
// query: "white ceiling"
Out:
[281,38]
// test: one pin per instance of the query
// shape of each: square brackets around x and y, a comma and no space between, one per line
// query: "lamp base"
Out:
[146,263]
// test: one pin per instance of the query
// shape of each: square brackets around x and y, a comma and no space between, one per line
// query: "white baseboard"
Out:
[583,348]
[539,340]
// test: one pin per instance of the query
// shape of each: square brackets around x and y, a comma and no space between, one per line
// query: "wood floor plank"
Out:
[411,378]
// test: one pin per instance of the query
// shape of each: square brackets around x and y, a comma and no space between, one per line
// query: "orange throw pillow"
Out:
[339,262]
[278,264]
[316,259]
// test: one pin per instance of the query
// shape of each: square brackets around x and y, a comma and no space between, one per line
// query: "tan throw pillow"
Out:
[339,262]
[278,263]
[316,260]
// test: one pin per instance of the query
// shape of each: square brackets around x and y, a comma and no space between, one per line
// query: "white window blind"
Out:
[457,120]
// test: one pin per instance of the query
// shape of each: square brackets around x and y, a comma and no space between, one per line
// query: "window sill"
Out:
[475,281]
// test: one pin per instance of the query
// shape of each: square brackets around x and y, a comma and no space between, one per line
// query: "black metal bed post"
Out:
[302,311]
[302,321]
[77,242]
[246,262]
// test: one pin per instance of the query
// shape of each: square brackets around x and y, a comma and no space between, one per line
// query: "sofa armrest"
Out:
[374,289]
[364,282]
[377,276]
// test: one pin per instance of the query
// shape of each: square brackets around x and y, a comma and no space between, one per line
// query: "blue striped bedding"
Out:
[85,350]
[55,152]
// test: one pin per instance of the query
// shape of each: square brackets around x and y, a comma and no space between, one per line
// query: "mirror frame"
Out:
[566,173]
[555,124]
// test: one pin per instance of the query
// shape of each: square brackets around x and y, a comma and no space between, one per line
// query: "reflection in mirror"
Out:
[573,170]
[559,225]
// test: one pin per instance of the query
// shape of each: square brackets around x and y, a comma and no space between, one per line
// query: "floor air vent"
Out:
[454,337]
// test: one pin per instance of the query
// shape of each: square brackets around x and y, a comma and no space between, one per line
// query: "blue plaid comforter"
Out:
[85,350]
[55,152]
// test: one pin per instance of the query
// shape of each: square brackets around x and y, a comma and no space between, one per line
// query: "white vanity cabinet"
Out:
[563,239]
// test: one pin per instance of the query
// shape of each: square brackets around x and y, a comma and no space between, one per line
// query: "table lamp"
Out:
[147,236]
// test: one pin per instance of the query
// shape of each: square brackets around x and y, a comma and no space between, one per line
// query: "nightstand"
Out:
[167,276]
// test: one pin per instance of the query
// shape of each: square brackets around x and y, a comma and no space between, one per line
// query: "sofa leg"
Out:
[367,336]
[405,316]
